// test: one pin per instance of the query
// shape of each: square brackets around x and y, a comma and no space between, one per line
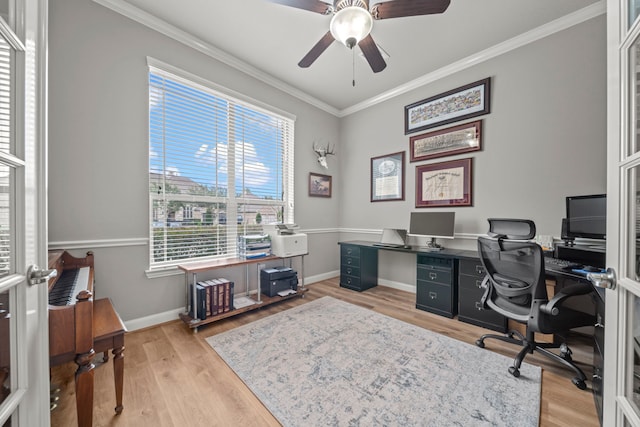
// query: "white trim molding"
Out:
[101,243]
[148,20]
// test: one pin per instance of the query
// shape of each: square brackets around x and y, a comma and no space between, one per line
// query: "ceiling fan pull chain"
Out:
[353,67]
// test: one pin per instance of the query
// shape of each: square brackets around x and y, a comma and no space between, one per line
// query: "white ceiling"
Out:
[270,39]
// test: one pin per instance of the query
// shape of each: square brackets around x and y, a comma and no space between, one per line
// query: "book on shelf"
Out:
[201,302]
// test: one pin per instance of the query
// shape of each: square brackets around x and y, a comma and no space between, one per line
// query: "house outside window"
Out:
[220,166]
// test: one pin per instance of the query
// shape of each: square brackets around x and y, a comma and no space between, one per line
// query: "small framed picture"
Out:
[446,142]
[444,184]
[387,177]
[319,185]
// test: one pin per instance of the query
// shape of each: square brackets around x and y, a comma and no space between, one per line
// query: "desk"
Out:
[448,283]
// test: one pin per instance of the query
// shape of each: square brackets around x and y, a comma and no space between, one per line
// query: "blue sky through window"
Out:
[193,133]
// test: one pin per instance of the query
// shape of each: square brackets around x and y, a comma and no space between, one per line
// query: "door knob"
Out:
[36,276]
[605,280]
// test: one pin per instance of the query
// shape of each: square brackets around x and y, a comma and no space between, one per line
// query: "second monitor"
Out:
[434,225]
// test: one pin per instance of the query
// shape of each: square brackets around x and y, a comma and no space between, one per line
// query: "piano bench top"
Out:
[106,321]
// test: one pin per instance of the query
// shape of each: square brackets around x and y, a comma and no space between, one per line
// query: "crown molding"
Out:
[560,24]
[519,41]
[148,20]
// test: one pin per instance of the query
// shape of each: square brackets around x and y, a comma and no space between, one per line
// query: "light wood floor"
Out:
[173,377]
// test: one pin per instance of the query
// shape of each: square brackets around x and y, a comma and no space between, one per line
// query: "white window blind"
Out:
[219,167]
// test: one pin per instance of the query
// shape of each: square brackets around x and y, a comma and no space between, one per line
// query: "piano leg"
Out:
[118,370]
[84,388]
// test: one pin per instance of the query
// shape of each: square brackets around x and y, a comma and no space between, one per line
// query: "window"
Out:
[219,167]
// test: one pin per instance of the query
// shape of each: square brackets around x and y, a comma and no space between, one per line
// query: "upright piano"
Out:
[79,327]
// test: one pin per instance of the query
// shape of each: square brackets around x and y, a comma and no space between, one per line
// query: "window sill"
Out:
[163,272]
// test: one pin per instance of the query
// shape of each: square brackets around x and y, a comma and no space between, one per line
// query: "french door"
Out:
[24,377]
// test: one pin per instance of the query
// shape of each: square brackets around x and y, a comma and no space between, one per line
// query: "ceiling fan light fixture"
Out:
[350,25]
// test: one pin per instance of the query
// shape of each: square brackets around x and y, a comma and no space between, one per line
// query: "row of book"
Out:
[213,297]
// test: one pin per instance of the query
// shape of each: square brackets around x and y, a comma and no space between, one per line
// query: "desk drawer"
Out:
[350,282]
[471,268]
[434,275]
[470,309]
[433,262]
[350,270]
[350,250]
[435,298]
[350,261]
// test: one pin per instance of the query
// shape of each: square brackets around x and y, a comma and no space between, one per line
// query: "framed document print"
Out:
[444,184]
[462,103]
[446,142]
[387,177]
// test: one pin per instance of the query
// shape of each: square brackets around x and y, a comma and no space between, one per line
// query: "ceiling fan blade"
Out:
[372,54]
[316,50]
[400,8]
[312,5]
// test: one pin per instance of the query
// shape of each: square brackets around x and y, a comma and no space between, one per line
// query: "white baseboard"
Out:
[398,285]
[153,320]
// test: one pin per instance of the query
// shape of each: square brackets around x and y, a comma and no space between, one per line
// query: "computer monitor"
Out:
[435,225]
[587,216]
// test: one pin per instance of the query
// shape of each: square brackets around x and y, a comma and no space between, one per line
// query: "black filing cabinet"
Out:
[436,289]
[358,267]
[470,308]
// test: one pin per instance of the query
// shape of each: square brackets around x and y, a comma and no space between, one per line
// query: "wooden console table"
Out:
[192,270]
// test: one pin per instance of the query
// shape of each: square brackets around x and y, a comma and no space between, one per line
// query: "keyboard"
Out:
[560,264]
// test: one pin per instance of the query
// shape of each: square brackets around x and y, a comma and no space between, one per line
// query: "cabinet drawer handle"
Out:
[349,261]
[479,269]
[599,325]
[433,276]
[433,295]
[479,283]
[348,281]
[349,250]
[348,270]
[479,306]
[597,377]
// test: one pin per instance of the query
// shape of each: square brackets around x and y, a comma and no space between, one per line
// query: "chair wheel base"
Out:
[579,383]
[514,371]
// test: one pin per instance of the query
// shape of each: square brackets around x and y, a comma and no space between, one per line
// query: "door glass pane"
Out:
[5,347]
[5,220]
[6,56]
[633,368]
[634,74]
[634,11]
[4,10]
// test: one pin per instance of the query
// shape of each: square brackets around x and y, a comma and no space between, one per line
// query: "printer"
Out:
[285,240]
[278,279]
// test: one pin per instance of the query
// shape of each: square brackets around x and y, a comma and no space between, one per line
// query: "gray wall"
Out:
[544,139]
[98,140]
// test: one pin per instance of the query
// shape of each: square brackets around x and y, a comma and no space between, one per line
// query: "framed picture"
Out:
[444,184]
[446,142]
[462,103]
[319,185]
[387,177]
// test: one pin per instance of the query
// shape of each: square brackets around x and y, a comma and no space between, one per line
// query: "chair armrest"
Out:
[551,307]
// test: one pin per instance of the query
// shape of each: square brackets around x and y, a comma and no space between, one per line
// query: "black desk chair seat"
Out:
[515,287]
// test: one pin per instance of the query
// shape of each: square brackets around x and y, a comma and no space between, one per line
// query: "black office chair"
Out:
[515,287]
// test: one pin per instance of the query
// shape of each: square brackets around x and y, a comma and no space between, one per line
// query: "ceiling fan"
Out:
[353,20]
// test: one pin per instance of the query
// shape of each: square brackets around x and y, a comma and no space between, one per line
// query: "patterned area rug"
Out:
[331,363]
